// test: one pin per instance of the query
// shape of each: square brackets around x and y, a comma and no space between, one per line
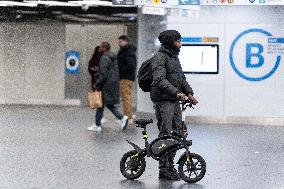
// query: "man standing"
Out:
[108,84]
[168,87]
[127,72]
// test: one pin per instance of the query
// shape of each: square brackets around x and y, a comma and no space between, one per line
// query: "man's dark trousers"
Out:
[168,114]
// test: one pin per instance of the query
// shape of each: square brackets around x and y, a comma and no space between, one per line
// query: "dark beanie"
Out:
[167,38]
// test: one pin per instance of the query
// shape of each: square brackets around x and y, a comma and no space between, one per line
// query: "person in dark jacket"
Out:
[108,84]
[168,87]
[127,74]
[94,66]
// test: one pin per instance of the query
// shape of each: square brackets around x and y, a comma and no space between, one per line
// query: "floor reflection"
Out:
[132,184]
[166,184]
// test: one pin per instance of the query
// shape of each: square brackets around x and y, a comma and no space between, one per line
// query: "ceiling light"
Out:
[13,3]
[53,3]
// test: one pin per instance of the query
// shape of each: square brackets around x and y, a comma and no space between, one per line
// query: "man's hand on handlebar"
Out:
[181,96]
[192,99]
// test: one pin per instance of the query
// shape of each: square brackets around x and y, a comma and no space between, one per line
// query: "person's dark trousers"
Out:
[169,118]
[100,113]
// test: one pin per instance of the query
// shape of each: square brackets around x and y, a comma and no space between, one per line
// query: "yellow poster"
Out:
[156,1]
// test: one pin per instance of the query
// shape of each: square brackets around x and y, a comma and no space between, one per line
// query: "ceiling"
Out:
[67,11]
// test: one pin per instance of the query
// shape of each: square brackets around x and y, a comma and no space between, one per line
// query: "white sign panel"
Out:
[189,13]
[275,45]
[154,10]
[199,58]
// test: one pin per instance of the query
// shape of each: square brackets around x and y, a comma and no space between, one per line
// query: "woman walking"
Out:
[108,84]
[94,66]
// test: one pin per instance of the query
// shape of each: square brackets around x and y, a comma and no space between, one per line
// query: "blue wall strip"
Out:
[192,40]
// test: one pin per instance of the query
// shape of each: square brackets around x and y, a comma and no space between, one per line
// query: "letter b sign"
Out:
[254,50]
[255,57]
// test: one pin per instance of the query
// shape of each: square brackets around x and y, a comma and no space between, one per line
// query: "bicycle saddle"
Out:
[143,122]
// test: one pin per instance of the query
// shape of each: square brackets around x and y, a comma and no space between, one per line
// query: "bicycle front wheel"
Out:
[192,169]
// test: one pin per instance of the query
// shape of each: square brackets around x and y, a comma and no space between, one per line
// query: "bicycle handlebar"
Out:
[186,103]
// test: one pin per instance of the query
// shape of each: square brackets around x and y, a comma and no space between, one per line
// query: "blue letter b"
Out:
[250,54]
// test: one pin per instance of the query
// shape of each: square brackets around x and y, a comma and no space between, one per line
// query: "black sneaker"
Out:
[169,175]
[175,173]
[173,170]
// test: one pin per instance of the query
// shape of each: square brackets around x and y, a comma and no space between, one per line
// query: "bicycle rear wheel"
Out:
[131,165]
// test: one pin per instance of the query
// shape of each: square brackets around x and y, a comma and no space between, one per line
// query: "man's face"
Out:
[178,44]
[122,43]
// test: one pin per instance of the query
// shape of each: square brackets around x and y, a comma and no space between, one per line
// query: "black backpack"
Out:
[145,77]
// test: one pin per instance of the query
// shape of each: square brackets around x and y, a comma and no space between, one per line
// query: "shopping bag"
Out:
[95,99]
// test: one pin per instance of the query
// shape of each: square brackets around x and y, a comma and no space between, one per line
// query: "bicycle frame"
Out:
[183,143]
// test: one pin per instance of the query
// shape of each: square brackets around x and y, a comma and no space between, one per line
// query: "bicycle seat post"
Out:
[145,136]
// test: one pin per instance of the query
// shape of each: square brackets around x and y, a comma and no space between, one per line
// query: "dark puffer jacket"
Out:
[108,80]
[168,77]
[127,62]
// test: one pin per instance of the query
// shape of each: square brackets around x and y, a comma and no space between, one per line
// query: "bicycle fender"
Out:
[182,157]
[137,148]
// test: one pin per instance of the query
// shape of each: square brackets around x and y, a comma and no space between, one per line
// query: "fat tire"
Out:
[202,172]
[122,165]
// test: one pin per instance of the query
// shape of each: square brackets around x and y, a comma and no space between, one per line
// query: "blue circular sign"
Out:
[256,30]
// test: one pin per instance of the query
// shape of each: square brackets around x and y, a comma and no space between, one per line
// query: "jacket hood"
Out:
[168,51]
[167,39]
